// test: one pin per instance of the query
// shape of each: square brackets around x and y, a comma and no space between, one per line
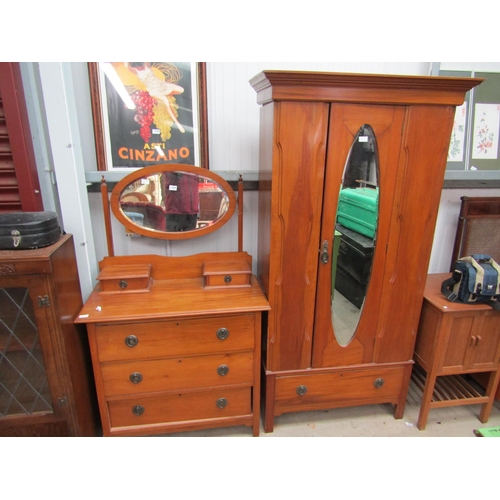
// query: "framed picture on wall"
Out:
[149,113]
[474,144]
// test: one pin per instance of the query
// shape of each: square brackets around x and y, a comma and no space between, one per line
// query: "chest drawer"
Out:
[161,339]
[213,403]
[137,377]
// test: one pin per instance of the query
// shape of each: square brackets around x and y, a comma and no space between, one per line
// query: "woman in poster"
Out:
[156,87]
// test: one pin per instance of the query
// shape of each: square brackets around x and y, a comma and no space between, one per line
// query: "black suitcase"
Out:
[25,230]
[354,263]
[355,254]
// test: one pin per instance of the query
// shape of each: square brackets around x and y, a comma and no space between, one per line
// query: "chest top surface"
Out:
[182,295]
[433,296]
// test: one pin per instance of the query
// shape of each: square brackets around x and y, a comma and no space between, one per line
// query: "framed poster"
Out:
[148,113]
[474,144]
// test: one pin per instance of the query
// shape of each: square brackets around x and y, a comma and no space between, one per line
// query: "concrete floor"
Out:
[368,421]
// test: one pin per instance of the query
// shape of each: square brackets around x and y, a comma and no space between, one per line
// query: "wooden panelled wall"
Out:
[19,186]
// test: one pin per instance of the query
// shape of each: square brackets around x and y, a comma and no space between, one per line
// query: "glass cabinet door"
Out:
[24,379]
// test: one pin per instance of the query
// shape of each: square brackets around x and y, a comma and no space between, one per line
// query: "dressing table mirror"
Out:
[173,202]
[175,341]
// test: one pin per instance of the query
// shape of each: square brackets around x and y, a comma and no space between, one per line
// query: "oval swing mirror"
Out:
[355,234]
[173,201]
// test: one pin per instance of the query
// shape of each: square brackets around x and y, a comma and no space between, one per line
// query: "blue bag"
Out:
[475,280]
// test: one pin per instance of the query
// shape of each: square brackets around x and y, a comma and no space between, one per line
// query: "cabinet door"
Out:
[485,343]
[29,383]
[473,344]
[457,356]
[386,122]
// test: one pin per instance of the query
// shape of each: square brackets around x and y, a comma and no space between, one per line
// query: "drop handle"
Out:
[221,403]
[222,333]
[325,256]
[131,341]
[135,377]
[138,410]
[223,370]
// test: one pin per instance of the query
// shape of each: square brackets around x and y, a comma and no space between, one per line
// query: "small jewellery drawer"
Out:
[125,279]
[212,403]
[175,338]
[324,390]
[136,377]
[226,274]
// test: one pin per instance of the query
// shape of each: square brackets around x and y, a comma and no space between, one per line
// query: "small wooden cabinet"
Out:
[46,383]
[455,339]
[178,356]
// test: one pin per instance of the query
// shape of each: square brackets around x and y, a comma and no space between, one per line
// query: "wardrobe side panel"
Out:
[422,164]
[265,192]
[299,154]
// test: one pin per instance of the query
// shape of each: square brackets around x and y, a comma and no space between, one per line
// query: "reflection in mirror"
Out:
[172,201]
[355,234]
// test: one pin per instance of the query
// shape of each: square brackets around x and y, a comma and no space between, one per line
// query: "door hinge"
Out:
[44,301]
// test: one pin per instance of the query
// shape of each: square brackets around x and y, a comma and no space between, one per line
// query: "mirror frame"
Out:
[170,167]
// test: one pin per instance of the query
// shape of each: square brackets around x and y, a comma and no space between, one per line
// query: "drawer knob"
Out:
[301,390]
[378,383]
[222,402]
[123,284]
[227,278]
[222,333]
[223,370]
[135,377]
[138,410]
[131,341]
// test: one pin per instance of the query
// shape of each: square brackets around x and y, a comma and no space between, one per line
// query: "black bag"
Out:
[25,230]
[475,280]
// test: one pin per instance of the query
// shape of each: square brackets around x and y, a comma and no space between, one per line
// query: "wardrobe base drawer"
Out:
[212,403]
[339,388]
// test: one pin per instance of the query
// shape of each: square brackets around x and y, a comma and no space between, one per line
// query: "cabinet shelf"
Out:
[450,390]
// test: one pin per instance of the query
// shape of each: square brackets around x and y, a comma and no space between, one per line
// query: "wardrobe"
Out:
[321,133]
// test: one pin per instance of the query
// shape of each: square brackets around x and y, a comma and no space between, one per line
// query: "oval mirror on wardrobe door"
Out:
[355,234]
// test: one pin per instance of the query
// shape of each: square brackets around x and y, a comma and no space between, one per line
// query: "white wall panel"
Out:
[233,112]
[233,121]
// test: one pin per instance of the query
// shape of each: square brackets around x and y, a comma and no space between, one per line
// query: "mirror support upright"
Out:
[107,216]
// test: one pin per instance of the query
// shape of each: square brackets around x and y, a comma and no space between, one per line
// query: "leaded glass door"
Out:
[28,381]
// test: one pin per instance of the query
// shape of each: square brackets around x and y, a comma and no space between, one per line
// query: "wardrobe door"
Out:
[299,152]
[424,150]
[345,329]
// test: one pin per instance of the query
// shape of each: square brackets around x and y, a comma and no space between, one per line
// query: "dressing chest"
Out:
[180,356]
[175,341]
